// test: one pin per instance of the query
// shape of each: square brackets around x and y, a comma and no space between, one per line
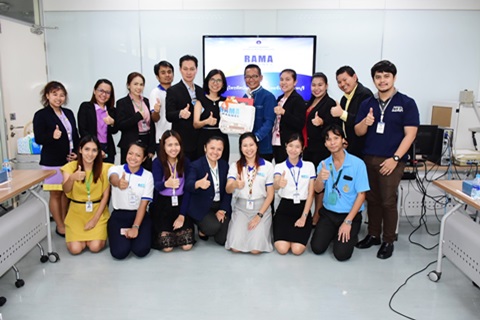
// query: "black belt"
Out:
[96,201]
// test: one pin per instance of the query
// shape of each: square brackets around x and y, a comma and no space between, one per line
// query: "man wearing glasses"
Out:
[264,102]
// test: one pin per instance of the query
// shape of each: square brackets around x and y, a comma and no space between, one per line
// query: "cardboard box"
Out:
[442,116]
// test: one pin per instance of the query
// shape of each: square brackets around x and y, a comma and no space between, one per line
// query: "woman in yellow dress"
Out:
[85,183]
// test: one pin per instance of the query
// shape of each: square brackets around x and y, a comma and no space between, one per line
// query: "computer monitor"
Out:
[424,143]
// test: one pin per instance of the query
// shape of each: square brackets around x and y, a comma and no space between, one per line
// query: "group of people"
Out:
[174,173]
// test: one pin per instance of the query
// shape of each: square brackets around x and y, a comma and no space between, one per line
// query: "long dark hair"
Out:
[98,163]
[243,161]
[164,157]
[111,101]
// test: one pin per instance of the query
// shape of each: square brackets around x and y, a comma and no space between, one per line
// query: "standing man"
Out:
[264,102]
[354,94]
[389,122]
[164,73]
[180,101]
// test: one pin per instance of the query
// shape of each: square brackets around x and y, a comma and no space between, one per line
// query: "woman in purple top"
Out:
[172,227]
[97,118]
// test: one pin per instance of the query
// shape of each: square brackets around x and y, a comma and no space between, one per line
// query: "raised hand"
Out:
[109,120]
[185,113]
[157,106]
[240,182]
[369,119]
[211,120]
[203,183]
[317,121]
[324,172]
[79,175]
[336,111]
[122,183]
[279,110]
[283,182]
[57,133]
[172,182]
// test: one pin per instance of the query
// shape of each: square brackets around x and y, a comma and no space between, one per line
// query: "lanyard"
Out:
[251,174]
[383,106]
[335,183]
[139,107]
[173,172]
[88,183]
[215,176]
[295,180]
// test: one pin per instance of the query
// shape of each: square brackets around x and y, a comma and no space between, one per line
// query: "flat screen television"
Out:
[271,53]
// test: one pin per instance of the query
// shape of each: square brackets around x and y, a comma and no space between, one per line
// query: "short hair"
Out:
[163,63]
[51,87]
[296,136]
[253,66]
[384,66]
[188,57]
[133,75]
[335,129]
[212,138]
[320,75]
[292,72]
[349,70]
[139,143]
[212,73]
[111,100]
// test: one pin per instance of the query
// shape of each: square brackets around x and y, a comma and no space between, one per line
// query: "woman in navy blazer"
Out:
[133,119]
[55,130]
[290,114]
[210,205]
[102,104]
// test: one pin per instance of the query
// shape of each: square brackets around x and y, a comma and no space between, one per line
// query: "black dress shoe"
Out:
[60,234]
[203,237]
[368,242]
[385,251]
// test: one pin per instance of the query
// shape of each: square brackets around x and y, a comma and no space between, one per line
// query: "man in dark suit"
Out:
[354,94]
[179,105]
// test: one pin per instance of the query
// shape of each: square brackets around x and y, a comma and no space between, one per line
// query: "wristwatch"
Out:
[349,222]
[260,215]
[396,158]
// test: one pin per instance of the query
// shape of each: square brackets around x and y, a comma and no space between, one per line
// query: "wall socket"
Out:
[13,116]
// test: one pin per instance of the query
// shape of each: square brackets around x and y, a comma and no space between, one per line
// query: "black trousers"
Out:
[326,231]
[210,226]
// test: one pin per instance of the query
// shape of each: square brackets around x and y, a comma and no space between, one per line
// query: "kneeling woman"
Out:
[294,180]
[251,182]
[85,182]
[129,227]
[210,205]
[172,227]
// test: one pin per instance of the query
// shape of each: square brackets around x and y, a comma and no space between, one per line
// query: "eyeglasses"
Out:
[218,81]
[101,91]
[255,76]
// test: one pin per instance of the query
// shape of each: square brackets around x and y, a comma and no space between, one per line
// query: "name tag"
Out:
[381,127]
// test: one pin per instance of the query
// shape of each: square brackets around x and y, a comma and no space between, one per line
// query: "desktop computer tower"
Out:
[442,149]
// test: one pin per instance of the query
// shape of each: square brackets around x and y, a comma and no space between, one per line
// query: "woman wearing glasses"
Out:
[206,113]
[97,118]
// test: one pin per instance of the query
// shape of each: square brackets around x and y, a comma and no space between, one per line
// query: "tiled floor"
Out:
[212,283]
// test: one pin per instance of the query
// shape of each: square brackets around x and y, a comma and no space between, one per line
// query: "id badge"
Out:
[174,201]
[144,126]
[296,198]
[332,198]
[89,206]
[132,198]
[249,204]
[380,127]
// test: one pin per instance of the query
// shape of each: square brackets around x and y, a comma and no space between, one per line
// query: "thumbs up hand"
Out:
[279,110]
[240,182]
[283,181]
[157,106]
[172,182]
[211,120]
[317,121]
[57,133]
[122,183]
[109,121]
[185,112]
[336,111]
[369,119]
[324,172]
[203,183]
[79,175]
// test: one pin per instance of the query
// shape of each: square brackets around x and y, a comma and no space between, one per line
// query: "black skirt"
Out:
[284,220]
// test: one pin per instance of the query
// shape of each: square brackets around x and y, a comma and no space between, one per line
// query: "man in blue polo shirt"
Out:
[264,102]
[389,122]
[344,178]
